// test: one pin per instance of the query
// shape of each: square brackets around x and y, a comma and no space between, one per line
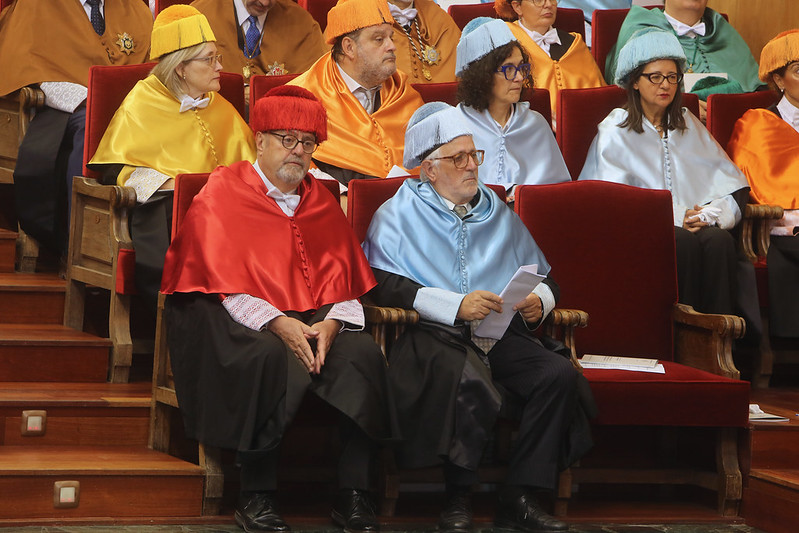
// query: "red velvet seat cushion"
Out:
[683,396]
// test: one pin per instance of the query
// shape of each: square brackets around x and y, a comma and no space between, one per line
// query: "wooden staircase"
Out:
[771,489]
[63,426]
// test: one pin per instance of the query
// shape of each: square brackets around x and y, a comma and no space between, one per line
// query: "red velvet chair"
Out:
[723,111]
[570,20]
[260,84]
[446,92]
[579,113]
[624,276]
[605,26]
[463,13]
[100,248]
[318,10]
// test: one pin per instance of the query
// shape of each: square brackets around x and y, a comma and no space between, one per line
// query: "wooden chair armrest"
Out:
[755,223]
[30,97]
[389,315]
[704,341]
[566,320]
[117,196]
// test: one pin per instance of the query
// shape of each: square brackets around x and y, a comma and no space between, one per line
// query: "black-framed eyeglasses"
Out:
[290,141]
[509,71]
[461,159]
[208,60]
[657,78]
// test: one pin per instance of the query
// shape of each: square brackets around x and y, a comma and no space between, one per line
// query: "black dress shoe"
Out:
[257,511]
[355,512]
[457,516]
[523,513]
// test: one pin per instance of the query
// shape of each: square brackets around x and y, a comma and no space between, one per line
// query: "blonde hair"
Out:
[166,69]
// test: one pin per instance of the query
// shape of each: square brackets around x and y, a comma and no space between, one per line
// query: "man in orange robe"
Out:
[368,101]
[288,40]
[54,48]
[426,37]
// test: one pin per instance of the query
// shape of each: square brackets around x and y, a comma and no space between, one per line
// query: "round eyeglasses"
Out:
[290,141]
[657,78]
[509,71]
[208,60]
[461,159]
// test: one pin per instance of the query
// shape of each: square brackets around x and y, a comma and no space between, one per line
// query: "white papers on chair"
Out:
[610,362]
[756,413]
[518,288]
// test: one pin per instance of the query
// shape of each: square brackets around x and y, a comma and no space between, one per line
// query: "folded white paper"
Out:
[518,288]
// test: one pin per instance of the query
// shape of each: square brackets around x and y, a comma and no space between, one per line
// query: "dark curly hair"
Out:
[476,82]
[672,119]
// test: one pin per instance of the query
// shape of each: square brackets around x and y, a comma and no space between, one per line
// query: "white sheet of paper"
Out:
[657,369]
[690,78]
[521,284]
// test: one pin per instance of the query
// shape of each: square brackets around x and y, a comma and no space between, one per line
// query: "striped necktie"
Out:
[98,23]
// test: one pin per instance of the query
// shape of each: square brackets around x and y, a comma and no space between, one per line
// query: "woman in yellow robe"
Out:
[765,145]
[171,122]
[560,60]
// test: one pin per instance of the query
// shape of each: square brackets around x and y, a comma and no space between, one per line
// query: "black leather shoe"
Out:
[523,513]
[258,512]
[457,516]
[355,512]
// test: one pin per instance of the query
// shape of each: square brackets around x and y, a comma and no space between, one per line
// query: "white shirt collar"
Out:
[243,15]
[788,112]
[543,41]
[403,16]
[684,29]
[287,202]
[365,96]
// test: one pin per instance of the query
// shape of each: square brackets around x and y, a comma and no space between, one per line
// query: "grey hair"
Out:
[166,69]
[432,155]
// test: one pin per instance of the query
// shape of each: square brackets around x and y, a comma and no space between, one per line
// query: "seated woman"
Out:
[171,122]
[655,143]
[560,60]
[519,147]
[765,145]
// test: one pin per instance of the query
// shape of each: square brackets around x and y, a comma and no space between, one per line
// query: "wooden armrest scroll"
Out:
[389,315]
[704,341]
[566,320]
[756,222]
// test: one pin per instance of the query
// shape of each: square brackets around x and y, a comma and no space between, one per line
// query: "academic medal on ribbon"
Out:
[125,43]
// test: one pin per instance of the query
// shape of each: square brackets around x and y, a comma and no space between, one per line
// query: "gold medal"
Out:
[246,72]
[125,43]
[431,55]
[276,69]
[426,73]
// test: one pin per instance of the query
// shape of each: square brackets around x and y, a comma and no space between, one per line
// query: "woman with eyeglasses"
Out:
[655,143]
[492,69]
[560,59]
[171,122]
[765,145]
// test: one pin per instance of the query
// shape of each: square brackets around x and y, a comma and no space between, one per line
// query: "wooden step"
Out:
[771,500]
[114,482]
[8,244]
[77,414]
[51,353]
[773,445]
[31,299]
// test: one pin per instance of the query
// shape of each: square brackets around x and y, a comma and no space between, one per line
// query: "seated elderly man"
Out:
[54,45]
[368,101]
[255,318]
[270,37]
[710,43]
[426,37]
[446,245]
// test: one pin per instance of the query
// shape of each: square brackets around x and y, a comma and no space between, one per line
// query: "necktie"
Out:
[187,102]
[98,23]
[460,210]
[684,29]
[251,38]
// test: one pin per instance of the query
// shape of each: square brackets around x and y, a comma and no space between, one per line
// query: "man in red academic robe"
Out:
[264,278]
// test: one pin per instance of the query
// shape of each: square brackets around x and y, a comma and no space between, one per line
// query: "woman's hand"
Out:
[691,222]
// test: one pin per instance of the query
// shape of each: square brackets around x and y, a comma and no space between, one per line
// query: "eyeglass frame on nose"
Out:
[478,156]
[286,140]
[525,69]
[216,58]
[540,3]
[677,78]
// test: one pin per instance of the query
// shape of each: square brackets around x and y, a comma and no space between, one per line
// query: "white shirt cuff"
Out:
[438,305]
[249,311]
[63,95]
[349,313]
[543,291]
[145,181]
[730,212]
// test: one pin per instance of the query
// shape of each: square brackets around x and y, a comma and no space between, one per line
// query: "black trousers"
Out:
[706,269]
[783,283]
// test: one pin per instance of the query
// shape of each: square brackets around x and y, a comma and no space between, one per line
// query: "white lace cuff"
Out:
[145,181]
[249,311]
[349,313]
[63,95]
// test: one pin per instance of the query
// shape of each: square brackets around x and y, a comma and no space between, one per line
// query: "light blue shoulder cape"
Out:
[415,235]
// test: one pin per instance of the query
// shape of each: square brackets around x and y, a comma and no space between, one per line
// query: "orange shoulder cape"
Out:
[41,42]
[291,43]
[766,149]
[356,140]
[439,31]
[299,263]
[575,70]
